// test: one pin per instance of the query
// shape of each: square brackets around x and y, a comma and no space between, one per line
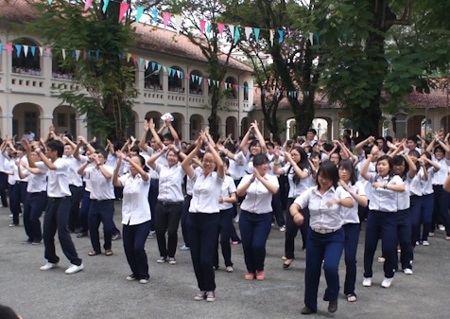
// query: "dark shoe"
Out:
[307,311]
[94,253]
[108,252]
[287,263]
[27,241]
[332,306]
[83,234]
[36,242]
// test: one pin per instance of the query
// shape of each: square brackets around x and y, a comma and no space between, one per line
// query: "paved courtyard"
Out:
[101,291]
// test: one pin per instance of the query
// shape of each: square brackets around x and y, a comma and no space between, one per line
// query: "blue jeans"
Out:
[416,211]
[32,210]
[350,248]
[427,214]
[404,225]
[224,231]
[292,231]
[57,219]
[255,229]
[202,230]
[134,238]
[381,225]
[327,248]
[101,211]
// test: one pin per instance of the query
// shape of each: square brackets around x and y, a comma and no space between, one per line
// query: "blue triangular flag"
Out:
[140,11]
[256,34]
[18,49]
[237,34]
[153,66]
[97,54]
[105,5]
[155,15]
[317,38]
[1,48]
[33,50]
[280,36]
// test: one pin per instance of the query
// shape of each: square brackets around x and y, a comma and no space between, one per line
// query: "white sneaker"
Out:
[407,271]
[74,269]
[425,243]
[143,281]
[283,228]
[381,259]
[49,266]
[441,227]
[367,282]
[387,282]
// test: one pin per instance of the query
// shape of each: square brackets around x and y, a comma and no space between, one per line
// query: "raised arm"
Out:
[186,164]
[365,167]
[260,137]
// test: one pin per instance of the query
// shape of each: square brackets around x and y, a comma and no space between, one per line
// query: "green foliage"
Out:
[107,82]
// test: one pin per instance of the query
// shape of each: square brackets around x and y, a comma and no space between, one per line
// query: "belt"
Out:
[21,182]
[101,200]
[55,199]
[323,230]
[170,203]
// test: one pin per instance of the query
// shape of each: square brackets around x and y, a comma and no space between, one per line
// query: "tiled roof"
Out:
[149,38]
[435,99]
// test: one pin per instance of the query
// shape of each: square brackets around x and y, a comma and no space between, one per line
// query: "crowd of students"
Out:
[327,190]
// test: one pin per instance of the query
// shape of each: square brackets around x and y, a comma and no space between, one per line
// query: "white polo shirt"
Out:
[258,199]
[321,216]
[237,166]
[36,182]
[190,182]
[170,181]
[350,214]
[102,188]
[228,188]
[205,194]
[74,166]
[10,166]
[303,184]
[440,176]
[384,200]
[57,180]
[415,187]
[135,206]
[162,160]
[427,185]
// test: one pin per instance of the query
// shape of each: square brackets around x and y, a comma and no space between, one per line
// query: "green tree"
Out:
[101,68]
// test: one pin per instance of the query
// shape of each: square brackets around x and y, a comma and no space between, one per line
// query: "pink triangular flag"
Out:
[9,48]
[87,5]
[135,59]
[123,9]
[48,51]
[202,26]
[166,18]
[220,27]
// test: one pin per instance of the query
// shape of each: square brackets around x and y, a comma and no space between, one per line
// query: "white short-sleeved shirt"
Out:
[427,185]
[135,206]
[2,160]
[237,166]
[384,200]
[87,178]
[23,159]
[206,193]
[58,179]
[350,214]
[403,198]
[74,165]
[258,199]
[170,181]
[228,188]
[415,187]
[366,184]
[162,160]
[10,166]
[102,188]
[303,184]
[36,182]
[321,216]
[440,176]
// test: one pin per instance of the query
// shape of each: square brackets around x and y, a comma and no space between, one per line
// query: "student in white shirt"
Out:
[57,211]
[352,227]
[36,199]
[256,215]
[382,218]
[102,202]
[203,220]
[326,237]
[226,200]
[3,175]
[135,214]
[298,171]
[10,169]
[170,202]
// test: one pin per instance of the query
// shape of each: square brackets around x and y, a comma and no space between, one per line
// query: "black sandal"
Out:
[287,263]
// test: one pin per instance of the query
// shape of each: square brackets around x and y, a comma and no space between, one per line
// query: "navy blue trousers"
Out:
[101,211]
[34,206]
[134,238]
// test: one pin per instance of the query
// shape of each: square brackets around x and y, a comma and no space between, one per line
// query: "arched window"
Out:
[245,91]
[152,75]
[25,57]
[176,75]
[196,82]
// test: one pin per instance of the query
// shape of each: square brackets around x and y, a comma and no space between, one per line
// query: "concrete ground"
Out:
[101,291]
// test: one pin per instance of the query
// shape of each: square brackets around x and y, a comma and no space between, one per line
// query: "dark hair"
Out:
[260,159]
[315,154]
[400,160]
[413,138]
[135,148]
[168,136]
[225,161]
[438,149]
[7,313]
[336,152]
[142,160]
[387,158]
[416,154]
[255,142]
[58,146]
[312,131]
[348,165]
[268,144]
[103,152]
[328,170]
[303,163]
